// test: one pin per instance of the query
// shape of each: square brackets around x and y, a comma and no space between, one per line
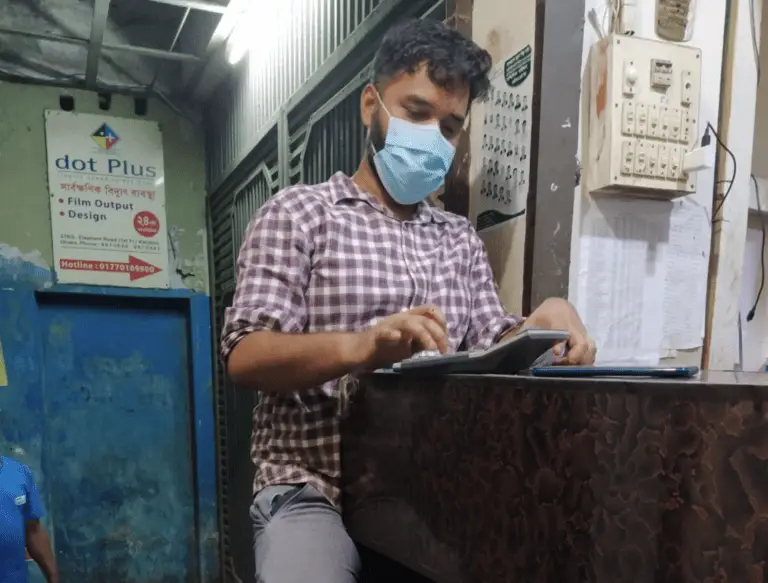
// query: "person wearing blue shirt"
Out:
[20,528]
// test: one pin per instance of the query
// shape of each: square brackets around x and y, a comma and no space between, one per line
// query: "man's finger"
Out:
[560,349]
[431,312]
[438,334]
[577,353]
[417,330]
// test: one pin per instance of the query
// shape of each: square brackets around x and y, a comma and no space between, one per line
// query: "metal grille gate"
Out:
[229,215]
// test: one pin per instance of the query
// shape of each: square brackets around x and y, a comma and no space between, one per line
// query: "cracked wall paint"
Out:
[187,258]
[25,184]
[23,269]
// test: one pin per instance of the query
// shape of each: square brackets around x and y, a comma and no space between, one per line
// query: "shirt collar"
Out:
[343,188]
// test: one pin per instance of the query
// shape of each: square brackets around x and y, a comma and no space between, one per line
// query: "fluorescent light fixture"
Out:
[259,29]
[237,45]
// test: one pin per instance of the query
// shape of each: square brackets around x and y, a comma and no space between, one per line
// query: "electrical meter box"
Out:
[642,117]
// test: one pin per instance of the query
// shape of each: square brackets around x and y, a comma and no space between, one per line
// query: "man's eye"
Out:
[417,115]
[449,132]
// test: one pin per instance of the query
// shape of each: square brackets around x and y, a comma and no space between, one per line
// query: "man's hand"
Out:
[289,362]
[558,314]
[402,335]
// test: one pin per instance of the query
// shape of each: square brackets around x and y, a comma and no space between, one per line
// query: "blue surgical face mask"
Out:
[414,160]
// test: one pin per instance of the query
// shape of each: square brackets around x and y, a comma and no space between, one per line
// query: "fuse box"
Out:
[642,117]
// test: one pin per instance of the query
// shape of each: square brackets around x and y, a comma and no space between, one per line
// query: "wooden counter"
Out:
[515,479]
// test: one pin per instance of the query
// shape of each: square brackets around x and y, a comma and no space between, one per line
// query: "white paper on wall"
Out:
[687,262]
[621,279]
[642,263]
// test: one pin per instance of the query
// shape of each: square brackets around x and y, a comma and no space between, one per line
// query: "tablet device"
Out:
[508,357]
[657,372]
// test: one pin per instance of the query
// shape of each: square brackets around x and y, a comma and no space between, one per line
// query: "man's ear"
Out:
[369,101]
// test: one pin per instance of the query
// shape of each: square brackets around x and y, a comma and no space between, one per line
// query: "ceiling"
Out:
[173,49]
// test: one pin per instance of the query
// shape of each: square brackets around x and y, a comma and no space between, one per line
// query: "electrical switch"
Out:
[686,94]
[641,159]
[685,134]
[627,157]
[654,127]
[673,121]
[664,122]
[628,118]
[652,151]
[673,172]
[661,73]
[630,78]
[663,164]
[641,120]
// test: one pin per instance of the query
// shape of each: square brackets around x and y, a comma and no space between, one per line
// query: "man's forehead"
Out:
[421,101]
[418,89]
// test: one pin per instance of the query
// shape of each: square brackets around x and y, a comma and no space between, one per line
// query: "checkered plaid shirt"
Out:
[330,258]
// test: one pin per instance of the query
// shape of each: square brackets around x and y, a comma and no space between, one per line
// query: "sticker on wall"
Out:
[518,67]
[3,370]
[107,199]
[506,147]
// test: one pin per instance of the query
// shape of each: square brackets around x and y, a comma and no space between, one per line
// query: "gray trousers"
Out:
[299,537]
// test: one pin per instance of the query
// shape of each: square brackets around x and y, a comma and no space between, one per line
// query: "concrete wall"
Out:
[25,226]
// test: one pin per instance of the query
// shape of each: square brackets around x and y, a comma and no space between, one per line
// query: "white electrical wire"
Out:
[623,16]
[595,24]
[615,9]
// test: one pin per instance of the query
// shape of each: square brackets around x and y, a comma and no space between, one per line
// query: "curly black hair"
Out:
[452,60]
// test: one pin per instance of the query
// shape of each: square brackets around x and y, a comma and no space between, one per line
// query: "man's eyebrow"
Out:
[421,102]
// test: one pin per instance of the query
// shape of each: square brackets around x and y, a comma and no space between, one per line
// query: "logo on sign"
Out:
[105,137]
